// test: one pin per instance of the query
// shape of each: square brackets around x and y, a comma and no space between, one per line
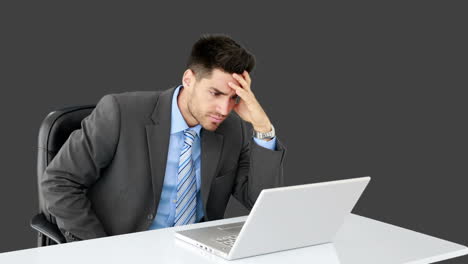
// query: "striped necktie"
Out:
[186,183]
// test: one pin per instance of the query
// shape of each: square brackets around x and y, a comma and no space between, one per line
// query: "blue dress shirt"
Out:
[167,203]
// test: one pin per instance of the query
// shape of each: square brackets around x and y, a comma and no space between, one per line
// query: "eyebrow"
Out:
[218,91]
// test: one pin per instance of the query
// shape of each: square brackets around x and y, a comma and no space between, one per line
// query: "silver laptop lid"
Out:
[297,216]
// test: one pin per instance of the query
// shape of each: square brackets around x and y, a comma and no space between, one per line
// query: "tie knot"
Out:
[189,136]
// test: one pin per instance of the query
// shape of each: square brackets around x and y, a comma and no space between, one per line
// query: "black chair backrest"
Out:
[54,131]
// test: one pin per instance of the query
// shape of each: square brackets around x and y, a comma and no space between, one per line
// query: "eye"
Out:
[214,93]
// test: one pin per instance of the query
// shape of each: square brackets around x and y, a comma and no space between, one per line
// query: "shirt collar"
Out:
[178,123]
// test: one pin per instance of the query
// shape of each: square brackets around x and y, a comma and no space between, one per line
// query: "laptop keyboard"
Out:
[227,240]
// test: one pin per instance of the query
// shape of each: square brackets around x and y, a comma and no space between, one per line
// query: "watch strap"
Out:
[266,135]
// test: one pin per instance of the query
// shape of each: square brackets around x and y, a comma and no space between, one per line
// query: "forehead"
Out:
[219,80]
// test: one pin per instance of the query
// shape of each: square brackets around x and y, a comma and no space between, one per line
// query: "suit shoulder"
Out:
[137,99]
[137,103]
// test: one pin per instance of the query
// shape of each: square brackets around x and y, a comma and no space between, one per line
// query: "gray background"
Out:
[353,90]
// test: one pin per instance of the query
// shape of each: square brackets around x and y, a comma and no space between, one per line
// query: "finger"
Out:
[239,91]
[241,80]
[247,77]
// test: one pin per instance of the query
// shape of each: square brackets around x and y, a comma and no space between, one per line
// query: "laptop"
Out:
[282,218]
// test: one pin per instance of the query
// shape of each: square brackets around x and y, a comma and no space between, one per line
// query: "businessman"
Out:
[148,160]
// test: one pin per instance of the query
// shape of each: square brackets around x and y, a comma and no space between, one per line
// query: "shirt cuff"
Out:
[266,144]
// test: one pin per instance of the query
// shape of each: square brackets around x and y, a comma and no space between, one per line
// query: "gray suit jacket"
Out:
[108,176]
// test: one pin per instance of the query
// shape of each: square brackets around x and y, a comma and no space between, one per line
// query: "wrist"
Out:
[262,128]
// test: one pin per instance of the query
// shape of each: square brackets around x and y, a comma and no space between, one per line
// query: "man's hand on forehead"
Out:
[248,107]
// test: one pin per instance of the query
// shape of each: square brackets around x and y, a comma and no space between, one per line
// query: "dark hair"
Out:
[221,52]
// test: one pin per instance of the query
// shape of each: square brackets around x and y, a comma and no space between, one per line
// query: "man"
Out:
[146,160]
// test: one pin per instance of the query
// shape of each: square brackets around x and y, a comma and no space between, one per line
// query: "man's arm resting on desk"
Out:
[259,167]
[76,167]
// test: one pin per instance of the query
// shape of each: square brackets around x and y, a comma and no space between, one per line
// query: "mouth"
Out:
[216,119]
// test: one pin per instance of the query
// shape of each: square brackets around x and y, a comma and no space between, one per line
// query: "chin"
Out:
[210,126]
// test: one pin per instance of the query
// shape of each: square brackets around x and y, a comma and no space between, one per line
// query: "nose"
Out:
[224,107]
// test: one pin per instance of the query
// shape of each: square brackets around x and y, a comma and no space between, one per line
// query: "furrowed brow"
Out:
[218,91]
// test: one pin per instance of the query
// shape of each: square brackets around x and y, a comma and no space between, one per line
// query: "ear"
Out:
[188,79]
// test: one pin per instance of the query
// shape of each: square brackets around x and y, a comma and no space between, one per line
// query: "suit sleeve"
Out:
[259,168]
[76,167]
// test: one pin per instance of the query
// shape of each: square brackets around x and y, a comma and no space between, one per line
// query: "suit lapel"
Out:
[157,135]
[211,146]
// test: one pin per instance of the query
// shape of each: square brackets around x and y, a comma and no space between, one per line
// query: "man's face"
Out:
[211,99]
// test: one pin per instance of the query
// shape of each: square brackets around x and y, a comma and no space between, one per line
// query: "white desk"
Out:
[360,241]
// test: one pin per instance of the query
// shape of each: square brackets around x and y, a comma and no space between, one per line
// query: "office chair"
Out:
[53,132]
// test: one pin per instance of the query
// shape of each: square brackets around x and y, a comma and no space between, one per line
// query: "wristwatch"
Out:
[267,135]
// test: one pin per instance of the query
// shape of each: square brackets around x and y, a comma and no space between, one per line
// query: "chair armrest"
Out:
[40,224]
